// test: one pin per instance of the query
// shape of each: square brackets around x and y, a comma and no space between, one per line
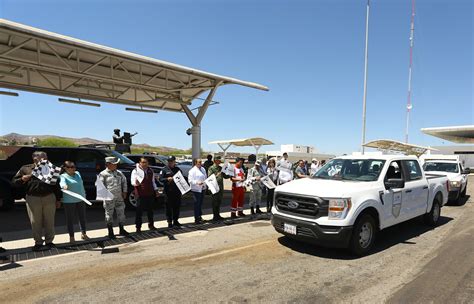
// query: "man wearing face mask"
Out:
[43,195]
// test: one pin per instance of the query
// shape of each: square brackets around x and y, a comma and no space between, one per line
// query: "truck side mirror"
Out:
[394,183]
[466,171]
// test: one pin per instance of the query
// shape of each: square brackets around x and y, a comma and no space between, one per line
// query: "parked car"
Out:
[351,198]
[160,161]
[89,162]
[457,176]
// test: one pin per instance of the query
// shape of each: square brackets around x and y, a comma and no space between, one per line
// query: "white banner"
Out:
[181,183]
[78,196]
[212,184]
[267,181]
[228,169]
[102,193]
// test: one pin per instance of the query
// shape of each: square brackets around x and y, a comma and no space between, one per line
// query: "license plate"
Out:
[290,229]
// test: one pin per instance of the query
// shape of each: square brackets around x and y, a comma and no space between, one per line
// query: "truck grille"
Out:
[310,207]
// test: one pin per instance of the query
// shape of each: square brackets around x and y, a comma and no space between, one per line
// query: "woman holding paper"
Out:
[196,177]
[272,173]
[71,180]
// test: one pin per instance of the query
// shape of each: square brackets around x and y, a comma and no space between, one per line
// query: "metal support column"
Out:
[195,130]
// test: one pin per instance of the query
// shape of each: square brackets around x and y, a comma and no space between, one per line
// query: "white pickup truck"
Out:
[452,168]
[351,198]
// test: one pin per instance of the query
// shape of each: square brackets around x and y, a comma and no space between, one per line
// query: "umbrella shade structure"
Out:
[256,142]
[44,62]
[397,146]
[457,134]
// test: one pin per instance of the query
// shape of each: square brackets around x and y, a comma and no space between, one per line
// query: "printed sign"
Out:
[102,193]
[212,184]
[267,181]
[181,183]
[228,169]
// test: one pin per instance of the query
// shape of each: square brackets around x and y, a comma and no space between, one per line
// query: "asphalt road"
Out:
[250,262]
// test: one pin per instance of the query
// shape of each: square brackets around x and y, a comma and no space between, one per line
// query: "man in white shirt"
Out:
[284,170]
[314,167]
[196,177]
[145,189]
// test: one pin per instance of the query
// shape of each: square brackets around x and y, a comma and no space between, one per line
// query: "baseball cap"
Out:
[171,158]
[112,160]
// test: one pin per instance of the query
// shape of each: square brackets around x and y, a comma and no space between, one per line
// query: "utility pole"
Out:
[364,102]
[409,104]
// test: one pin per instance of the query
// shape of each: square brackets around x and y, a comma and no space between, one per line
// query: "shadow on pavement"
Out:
[398,234]
[462,202]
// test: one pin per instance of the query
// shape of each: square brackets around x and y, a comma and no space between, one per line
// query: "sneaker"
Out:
[139,229]
[233,215]
[241,213]
[72,240]
[50,245]
[197,221]
[170,225]
[85,237]
[151,227]
[176,223]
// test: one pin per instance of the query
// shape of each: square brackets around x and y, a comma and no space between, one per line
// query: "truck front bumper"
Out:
[454,194]
[329,236]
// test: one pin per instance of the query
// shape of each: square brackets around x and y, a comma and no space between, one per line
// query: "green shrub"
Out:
[56,142]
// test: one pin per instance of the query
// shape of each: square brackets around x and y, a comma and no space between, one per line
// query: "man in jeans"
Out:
[143,179]
[43,196]
[173,195]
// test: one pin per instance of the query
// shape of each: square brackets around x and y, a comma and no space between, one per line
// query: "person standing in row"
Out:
[71,180]
[43,196]
[196,177]
[273,175]
[216,169]
[285,174]
[173,195]
[116,183]
[256,192]
[238,189]
[314,166]
[301,171]
[208,163]
[143,181]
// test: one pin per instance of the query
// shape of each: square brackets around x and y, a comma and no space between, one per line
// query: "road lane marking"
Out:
[229,250]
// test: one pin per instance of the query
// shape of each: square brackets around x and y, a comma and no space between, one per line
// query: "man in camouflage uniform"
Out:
[216,169]
[116,183]
[256,194]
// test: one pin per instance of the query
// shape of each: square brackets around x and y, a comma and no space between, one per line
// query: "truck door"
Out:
[392,198]
[415,196]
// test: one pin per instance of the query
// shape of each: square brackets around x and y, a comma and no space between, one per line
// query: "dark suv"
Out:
[89,162]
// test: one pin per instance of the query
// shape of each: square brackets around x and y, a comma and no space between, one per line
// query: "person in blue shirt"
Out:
[71,180]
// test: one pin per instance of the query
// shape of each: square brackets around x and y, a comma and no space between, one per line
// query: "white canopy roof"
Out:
[254,141]
[397,146]
[39,61]
[457,134]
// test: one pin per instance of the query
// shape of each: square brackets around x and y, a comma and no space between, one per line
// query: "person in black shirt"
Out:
[208,163]
[173,195]
[42,199]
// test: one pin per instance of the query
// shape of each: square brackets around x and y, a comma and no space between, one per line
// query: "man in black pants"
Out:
[143,180]
[173,195]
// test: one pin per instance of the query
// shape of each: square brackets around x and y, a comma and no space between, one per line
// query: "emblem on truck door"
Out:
[293,204]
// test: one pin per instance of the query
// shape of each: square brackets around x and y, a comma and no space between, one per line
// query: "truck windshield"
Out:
[441,167]
[365,170]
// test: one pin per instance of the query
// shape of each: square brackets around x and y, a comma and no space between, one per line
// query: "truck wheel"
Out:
[363,235]
[431,218]
[132,200]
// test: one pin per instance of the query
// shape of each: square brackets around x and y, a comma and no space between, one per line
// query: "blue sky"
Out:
[309,53]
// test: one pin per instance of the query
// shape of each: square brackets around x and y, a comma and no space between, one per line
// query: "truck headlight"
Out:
[455,184]
[338,208]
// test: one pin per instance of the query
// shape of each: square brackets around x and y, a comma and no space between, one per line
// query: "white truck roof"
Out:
[381,157]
